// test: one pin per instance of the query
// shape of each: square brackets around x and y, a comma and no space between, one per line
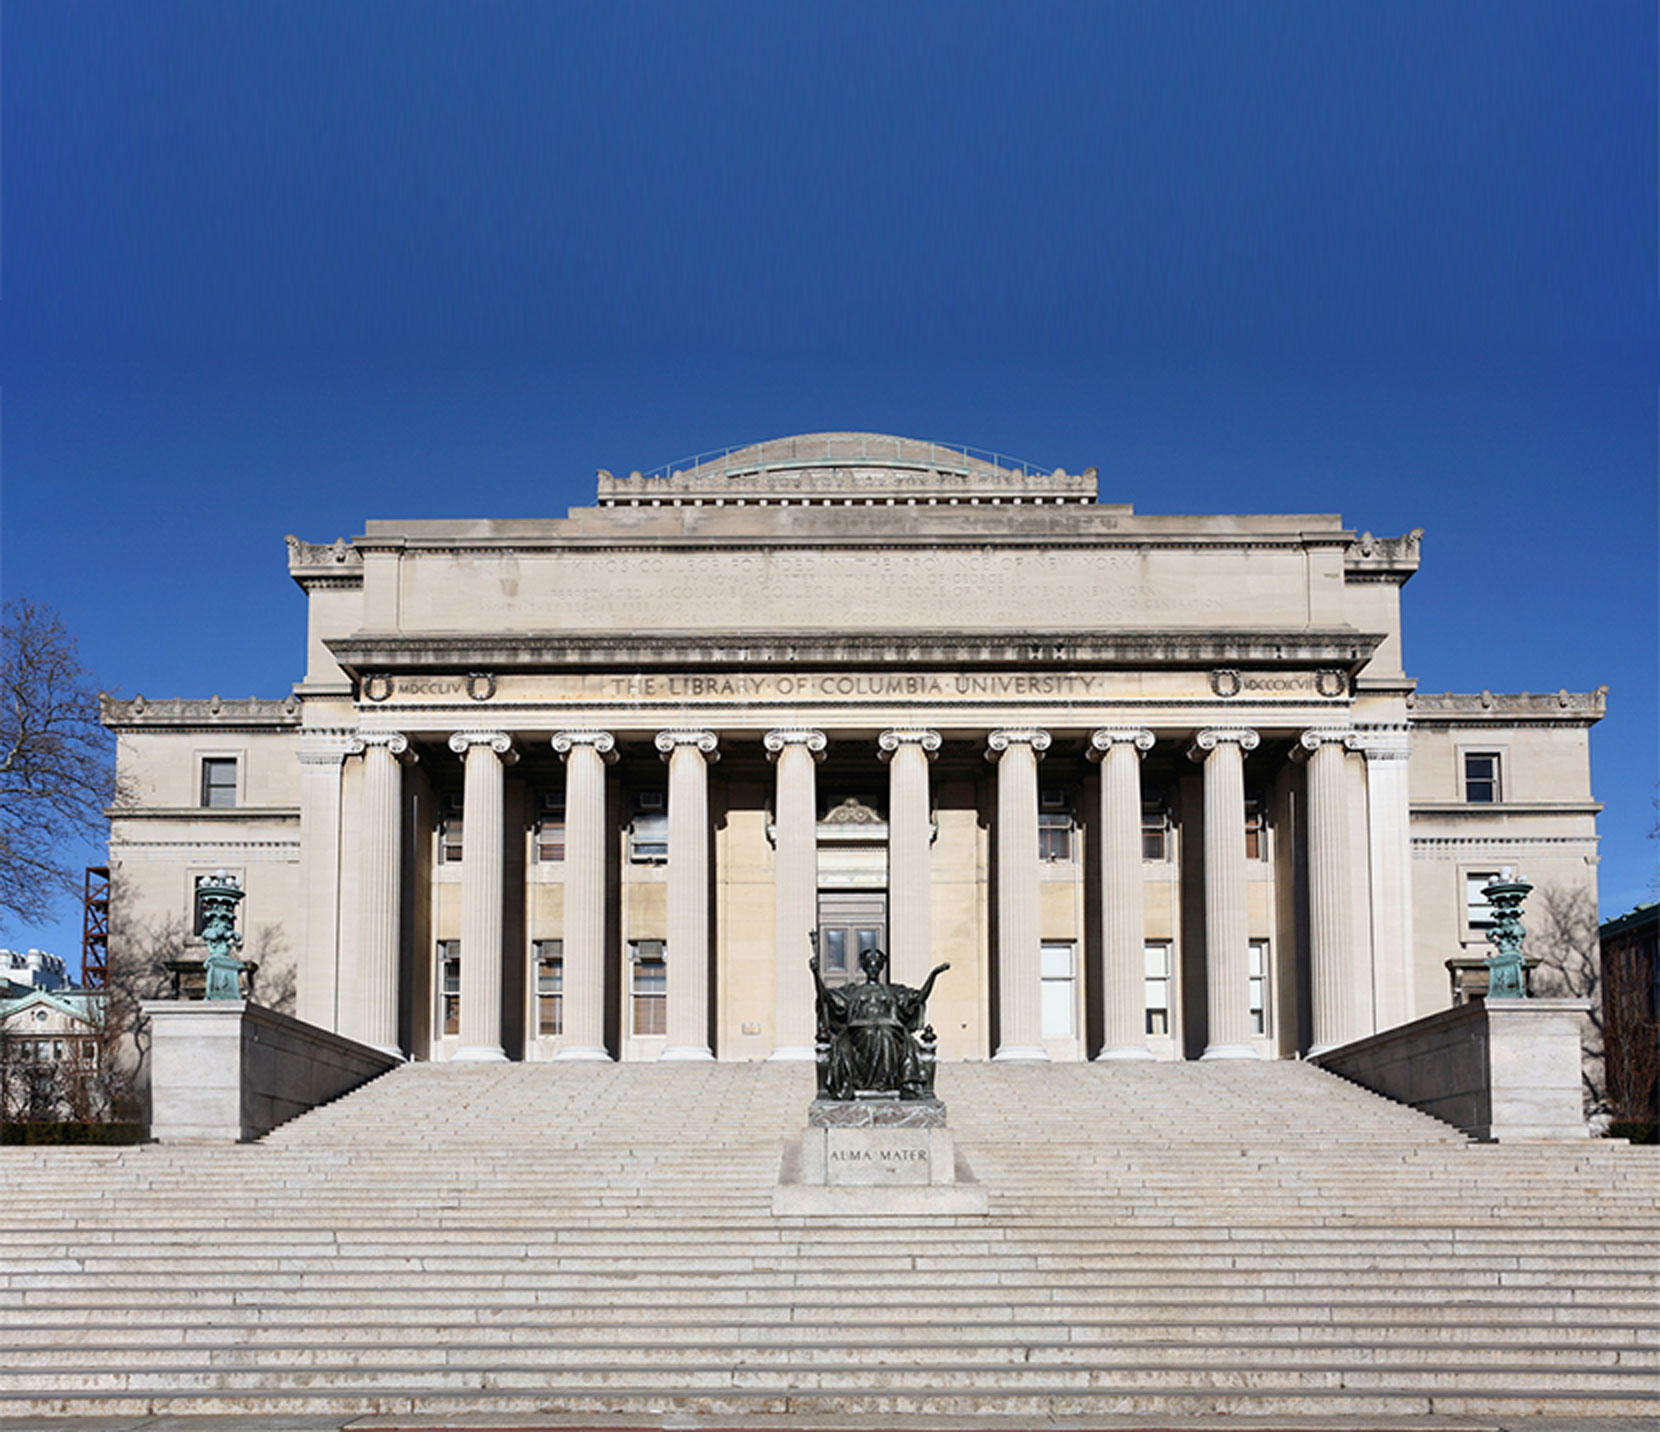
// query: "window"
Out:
[1481,778]
[1158,988]
[1058,987]
[550,987]
[1155,831]
[1257,968]
[835,952]
[1256,827]
[449,831]
[550,827]
[219,782]
[1054,826]
[1478,914]
[648,831]
[650,987]
[449,987]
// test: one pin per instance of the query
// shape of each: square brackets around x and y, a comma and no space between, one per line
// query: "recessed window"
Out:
[1059,984]
[219,782]
[550,987]
[1256,830]
[649,987]
[1158,988]
[1257,965]
[550,827]
[449,830]
[1478,913]
[1054,826]
[648,830]
[449,987]
[1155,831]
[1481,778]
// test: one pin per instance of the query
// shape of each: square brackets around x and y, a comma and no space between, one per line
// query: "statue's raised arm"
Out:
[928,984]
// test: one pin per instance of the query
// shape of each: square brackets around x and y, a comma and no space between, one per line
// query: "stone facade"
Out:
[1152,785]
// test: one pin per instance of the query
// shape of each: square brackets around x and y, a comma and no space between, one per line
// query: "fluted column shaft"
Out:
[1123,917]
[1389,840]
[583,1002]
[1227,911]
[1330,911]
[379,863]
[687,753]
[910,873]
[795,887]
[481,891]
[1019,924]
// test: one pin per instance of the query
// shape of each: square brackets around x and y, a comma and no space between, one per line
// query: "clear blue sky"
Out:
[273,267]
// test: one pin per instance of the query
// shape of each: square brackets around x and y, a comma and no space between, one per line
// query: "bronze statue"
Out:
[871,1036]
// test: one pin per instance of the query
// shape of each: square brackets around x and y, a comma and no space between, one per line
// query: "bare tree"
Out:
[1562,936]
[56,760]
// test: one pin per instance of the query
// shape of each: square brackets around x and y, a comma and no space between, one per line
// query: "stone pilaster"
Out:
[586,754]
[795,886]
[1019,925]
[910,833]
[485,753]
[1389,852]
[1227,911]
[688,754]
[380,864]
[322,754]
[1330,912]
[1123,915]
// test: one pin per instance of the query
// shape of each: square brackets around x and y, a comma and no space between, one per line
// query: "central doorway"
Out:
[849,923]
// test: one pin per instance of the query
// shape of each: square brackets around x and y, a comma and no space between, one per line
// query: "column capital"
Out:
[602,742]
[705,741]
[1106,737]
[1310,741]
[1382,742]
[1206,741]
[394,741]
[775,740]
[498,741]
[327,745]
[896,736]
[1001,739]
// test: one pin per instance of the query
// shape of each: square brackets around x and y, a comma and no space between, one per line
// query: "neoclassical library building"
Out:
[597,786]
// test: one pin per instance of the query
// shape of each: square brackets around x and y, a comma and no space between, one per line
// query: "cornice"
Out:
[364,653]
[180,712]
[1487,708]
[1465,810]
[213,817]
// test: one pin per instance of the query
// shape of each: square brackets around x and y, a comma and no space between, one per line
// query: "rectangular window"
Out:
[1158,988]
[1478,914]
[550,987]
[1058,990]
[449,831]
[1054,825]
[1481,778]
[1155,831]
[219,782]
[649,991]
[550,827]
[648,831]
[1256,826]
[1257,967]
[449,987]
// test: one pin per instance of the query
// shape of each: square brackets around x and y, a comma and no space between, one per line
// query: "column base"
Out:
[1230,1051]
[1030,1053]
[479,1054]
[1124,1051]
[584,1051]
[683,1052]
[794,1053]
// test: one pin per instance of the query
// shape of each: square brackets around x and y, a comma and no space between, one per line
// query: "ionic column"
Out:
[322,754]
[1019,922]
[485,753]
[1389,849]
[795,887]
[688,754]
[586,755]
[1227,911]
[1330,914]
[1123,918]
[379,865]
[910,878]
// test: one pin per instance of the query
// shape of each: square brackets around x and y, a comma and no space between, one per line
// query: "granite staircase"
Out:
[575,1240]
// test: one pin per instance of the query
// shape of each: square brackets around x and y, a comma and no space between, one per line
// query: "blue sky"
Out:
[284,267]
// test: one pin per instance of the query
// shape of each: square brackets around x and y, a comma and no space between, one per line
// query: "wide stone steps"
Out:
[515,1240]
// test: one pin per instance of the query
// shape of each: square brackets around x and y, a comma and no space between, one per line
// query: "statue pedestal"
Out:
[873,1156]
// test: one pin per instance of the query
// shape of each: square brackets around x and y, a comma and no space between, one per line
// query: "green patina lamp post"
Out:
[220,895]
[1504,965]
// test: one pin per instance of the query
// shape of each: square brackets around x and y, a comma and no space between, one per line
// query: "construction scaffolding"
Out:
[95,928]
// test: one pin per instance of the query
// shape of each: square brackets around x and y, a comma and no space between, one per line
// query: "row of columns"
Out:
[796,752]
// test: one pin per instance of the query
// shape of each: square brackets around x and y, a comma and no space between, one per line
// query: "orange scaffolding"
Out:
[95,928]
